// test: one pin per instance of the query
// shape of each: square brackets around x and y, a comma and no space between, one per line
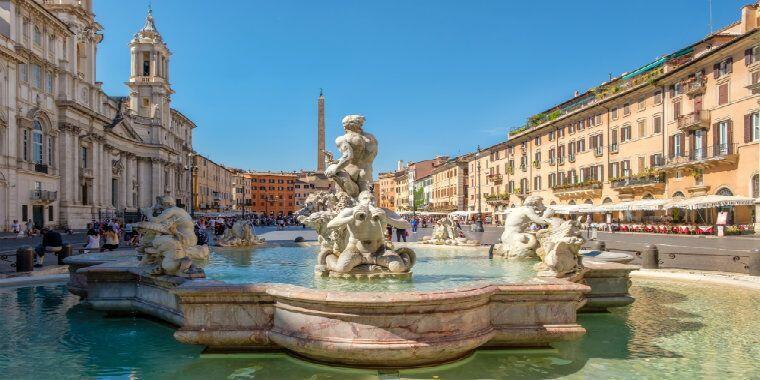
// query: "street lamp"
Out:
[479,221]
[191,168]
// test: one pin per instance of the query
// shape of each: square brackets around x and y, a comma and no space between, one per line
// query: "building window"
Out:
[614,113]
[642,128]
[37,35]
[23,73]
[642,104]
[657,97]
[537,183]
[723,94]
[657,124]
[50,214]
[37,143]
[676,110]
[723,68]
[146,64]
[626,109]
[50,150]
[625,133]
[26,145]
[756,186]
[49,82]
[36,76]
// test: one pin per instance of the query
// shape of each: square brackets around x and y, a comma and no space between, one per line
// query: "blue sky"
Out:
[432,77]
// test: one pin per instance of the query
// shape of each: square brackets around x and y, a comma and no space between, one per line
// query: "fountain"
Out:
[239,235]
[445,232]
[353,299]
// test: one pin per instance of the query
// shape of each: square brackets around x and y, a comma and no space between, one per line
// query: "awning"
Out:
[571,209]
[710,201]
[459,214]
[640,205]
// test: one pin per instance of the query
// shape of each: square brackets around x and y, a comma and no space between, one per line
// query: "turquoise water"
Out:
[673,331]
[436,269]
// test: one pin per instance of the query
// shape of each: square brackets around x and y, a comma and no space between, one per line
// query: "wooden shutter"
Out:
[729,136]
[716,137]
[716,71]
[747,128]
[748,56]
[672,145]
[729,65]
[723,93]
[673,91]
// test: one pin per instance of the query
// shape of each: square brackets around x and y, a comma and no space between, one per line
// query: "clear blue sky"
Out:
[432,77]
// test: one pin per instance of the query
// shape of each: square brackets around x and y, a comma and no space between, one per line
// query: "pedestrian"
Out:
[29,227]
[400,234]
[111,239]
[93,240]
[51,242]
[16,227]
[389,233]
[414,225]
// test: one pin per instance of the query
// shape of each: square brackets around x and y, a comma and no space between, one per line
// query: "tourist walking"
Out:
[16,227]
[414,225]
[400,234]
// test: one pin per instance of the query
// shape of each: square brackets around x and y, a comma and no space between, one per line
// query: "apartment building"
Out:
[449,185]
[273,193]
[487,189]
[682,126]
[212,186]
[386,190]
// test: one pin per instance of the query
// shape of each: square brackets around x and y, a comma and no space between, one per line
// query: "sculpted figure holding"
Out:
[353,170]
[240,235]
[558,250]
[366,244]
[445,232]
[516,240]
[169,240]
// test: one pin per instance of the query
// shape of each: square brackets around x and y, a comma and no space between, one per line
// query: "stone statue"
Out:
[353,170]
[445,232]
[240,235]
[168,240]
[558,249]
[350,228]
[367,250]
[516,240]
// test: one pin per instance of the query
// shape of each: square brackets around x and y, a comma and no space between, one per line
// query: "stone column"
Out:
[96,173]
[123,179]
[156,178]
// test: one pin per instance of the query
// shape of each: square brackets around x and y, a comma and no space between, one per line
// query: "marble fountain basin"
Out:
[461,302]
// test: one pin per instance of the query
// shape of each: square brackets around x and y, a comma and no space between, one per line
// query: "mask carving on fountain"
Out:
[168,240]
[557,245]
[351,228]
[240,235]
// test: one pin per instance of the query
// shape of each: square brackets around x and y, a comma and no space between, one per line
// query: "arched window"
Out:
[756,186]
[607,200]
[678,194]
[724,191]
[37,35]
[647,196]
[37,142]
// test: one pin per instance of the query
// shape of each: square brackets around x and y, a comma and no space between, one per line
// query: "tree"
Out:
[419,198]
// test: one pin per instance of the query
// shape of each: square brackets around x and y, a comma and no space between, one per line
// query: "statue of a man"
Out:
[516,240]
[353,170]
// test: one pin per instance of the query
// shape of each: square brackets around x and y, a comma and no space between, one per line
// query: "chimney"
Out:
[749,17]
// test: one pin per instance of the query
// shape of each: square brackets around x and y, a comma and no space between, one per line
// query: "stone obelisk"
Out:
[321,132]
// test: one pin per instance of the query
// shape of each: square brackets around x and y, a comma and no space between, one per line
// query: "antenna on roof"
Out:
[709,16]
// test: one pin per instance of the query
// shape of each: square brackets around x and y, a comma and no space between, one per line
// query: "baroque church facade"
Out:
[69,153]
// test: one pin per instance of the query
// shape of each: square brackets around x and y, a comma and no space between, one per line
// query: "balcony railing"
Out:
[695,86]
[43,195]
[694,120]
[697,155]
[589,185]
[647,179]
[495,178]
[41,168]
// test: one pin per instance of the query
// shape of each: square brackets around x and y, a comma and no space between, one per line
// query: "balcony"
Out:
[495,178]
[561,160]
[497,199]
[650,181]
[43,195]
[41,168]
[695,86]
[693,121]
[703,157]
[586,188]
[754,87]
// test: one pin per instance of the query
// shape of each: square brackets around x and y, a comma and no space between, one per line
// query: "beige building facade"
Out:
[682,126]
[214,185]
[71,153]
[449,186]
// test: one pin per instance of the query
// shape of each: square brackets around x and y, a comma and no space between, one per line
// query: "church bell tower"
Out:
[150,91]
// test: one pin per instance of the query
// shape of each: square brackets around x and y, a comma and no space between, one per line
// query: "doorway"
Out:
[38,216]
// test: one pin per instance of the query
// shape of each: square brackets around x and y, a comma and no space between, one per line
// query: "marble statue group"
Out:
[557,245]
[240,235]
[168,243]
[446,232]
[351,228]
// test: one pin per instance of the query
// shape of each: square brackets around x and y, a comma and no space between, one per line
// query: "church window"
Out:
[37,143]
[146,64]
